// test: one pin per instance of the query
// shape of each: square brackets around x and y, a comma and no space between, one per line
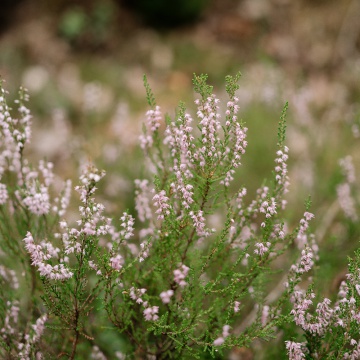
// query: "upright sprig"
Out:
[201,86]
[149,94]
[282,126]
[232,84]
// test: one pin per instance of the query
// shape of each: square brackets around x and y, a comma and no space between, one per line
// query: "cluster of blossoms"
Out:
[14,133]
[225,333]
[209,125]
[295,350]
[343,314]
[306,262]
[237,306]
[92,222]
[348,169]
[346,201]
[62,203]
[262,248]
[30,339]
[304,222]
[180,275]
[238,132]
[268,207]
[185,198]
[34,194]
[142,202]
[181,187]
[116,262]
[150,312]
[302,236]
[128,224]
[161,201]
[165,296]
[43,252]
[10,319]
[199,223]
[281,169]
[261,196]
[153,118]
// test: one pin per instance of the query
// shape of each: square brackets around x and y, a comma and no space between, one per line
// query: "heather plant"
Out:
[188,275]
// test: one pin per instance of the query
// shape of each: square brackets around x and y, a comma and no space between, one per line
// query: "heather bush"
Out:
[191,274]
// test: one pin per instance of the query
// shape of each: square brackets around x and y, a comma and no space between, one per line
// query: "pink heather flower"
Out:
[199,223]
[64,200]
[136,294]
[209,126]
[306,262]
[31,339]
[116,262]
[262,248]
[357,287]
[219,341]
[281,171]
[240,144]
[295,350]
[144,251]
[226,329]
[37,201]
[180,275]
[268,207]
[3,194]
[166,295]
[300,307]
[346,201]
[142,201]
[93,266]
[11,319]
[237,134]
[150,313]
[153,118]
[146,141]
[236,306]
[225,333]
[255,205]
[181,188]
[43,252]
[240,200]
[348,169]
[39,328]
[304,222]
[127,223]
[228,178]
[161,201]
[46,168]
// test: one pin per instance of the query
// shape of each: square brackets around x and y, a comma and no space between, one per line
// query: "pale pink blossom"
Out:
[295,350]
[180,275]
[166,296]
[150,313]
[116,262]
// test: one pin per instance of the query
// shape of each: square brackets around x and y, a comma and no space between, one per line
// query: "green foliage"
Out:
[149,94]
[282,126]
[192,276]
